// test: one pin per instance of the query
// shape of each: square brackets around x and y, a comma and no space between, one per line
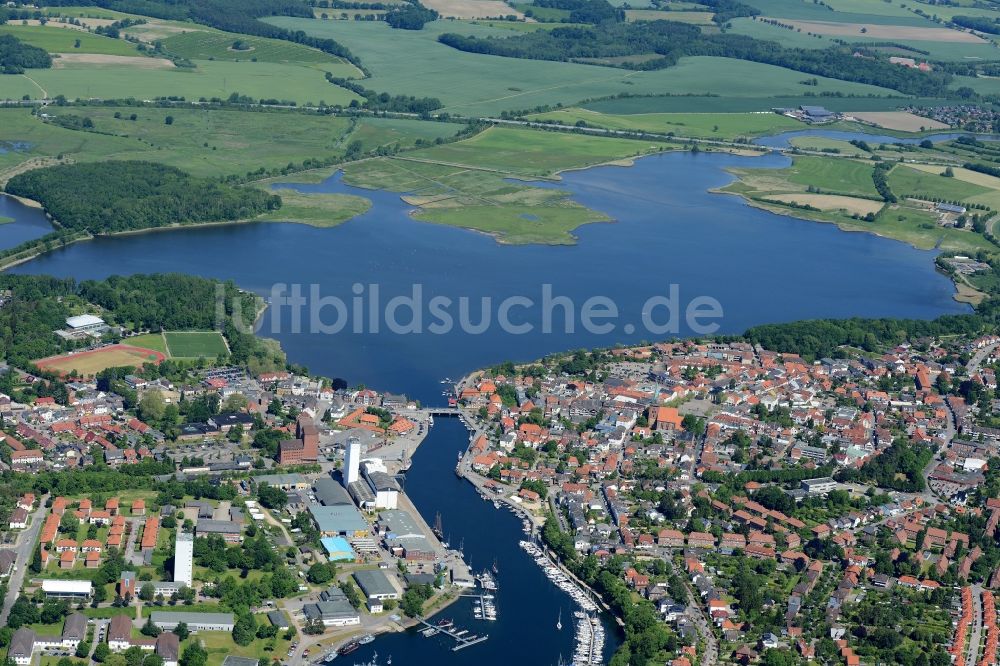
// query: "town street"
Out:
[26,541]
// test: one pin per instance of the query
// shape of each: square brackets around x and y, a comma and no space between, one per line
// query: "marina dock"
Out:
[461,636]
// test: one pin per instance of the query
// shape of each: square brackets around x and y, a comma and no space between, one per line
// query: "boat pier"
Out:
[461,636]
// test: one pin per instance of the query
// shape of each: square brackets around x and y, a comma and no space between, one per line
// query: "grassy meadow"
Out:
[55,38]
[698,125]
[217,45]
[205,142]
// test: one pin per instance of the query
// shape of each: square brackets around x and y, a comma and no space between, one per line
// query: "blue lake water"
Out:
[29,223]
[669,229]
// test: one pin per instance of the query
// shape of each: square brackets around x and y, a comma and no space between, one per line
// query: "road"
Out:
[25,546]
[711,656]
[976,631]
[971,368]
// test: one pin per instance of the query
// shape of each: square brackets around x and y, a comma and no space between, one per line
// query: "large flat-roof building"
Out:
[184,558]
[168,620]
[820,486]
[67,589]
[339,520]
[330,493]
[375,584]
[82,326]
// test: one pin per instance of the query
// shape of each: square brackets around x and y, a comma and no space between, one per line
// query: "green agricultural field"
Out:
[842,176]
[210,79]
[854,11]
[316,210]
[214,45]
[700,104]
[697,125]
[788,38]
[154,341]
[907,182]
[474,84]
[56,39]
[195,344]
[532,153]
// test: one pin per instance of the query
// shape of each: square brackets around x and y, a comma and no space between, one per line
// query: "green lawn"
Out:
[195,344]
[219,79]
[152,341]
[415,63]
[698,125]
[56,39]
[220,643]
[216,45]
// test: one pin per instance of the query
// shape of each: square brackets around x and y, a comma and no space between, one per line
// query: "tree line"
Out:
[818,338]
[375,101]
[672,40]
[105,197]
[593,12]
[16,56]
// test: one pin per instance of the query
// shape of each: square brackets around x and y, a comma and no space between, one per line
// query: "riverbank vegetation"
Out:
[469,183]
[846,192]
